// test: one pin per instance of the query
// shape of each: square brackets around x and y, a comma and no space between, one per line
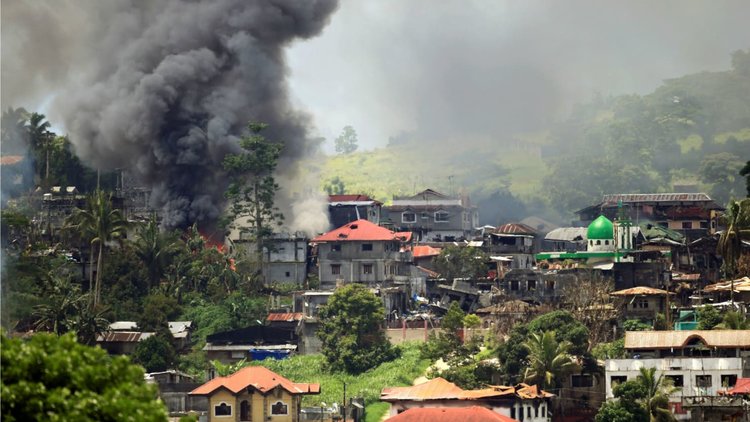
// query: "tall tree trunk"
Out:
[91,269]
[99,274]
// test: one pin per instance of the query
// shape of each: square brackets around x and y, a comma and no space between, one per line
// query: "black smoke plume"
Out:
[163,89]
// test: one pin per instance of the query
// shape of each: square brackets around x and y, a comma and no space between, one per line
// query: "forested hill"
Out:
[692,130]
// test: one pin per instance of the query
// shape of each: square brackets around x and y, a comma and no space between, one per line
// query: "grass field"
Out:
[310,368]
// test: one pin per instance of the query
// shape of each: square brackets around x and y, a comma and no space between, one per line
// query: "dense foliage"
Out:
[351,330]
[56,379]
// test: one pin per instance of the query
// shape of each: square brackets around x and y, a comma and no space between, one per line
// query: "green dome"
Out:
[601,228]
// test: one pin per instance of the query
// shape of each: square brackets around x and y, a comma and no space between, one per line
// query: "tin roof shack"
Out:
[692,214]
[254,393]
[516,241]
[251,343]
[284,320]
[363,252]
[121,342]
[699,363]
[643,303]
[344,209]
[525,402]
[722,291]
[433,216]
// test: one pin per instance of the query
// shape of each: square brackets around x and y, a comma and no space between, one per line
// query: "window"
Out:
[677,380]
[606,242]
[279,408]
[703,381]
[223,410]
[367,269]
[335,269]
[336,247]
[408,217]
[704,224]
[245,411]
[687,224]
[366,247]
[287,274]
[514,285]
[728,380]
[583,380]
[550,285]
[615,380]
[598,242]
[531,285]
[640,304]
[442,217]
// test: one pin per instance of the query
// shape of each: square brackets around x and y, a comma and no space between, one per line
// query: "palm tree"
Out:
[657,389]
[155,249]
[733,320]
[40,138]
[62,301]
[102,223]
[13,130]
[548,360]
[737,221]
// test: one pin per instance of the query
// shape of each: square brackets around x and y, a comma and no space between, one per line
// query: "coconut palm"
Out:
[62,300]
[657,391]
[737,222]
[102,223]
[733,320]
[548,360]
[40,138]
[155,249]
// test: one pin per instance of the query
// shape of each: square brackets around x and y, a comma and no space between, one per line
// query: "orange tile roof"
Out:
[421,251]
[741,387]
[440,389]
[360,230]
[258,377]
[450,414]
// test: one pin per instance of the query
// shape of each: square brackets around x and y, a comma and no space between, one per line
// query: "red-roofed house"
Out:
[524,402]
[443,414]
[362,252]
[254,393]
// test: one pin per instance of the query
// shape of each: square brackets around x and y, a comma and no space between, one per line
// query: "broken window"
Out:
[703,381]
[336,247]
[531,285]
[728,380]
[677,380]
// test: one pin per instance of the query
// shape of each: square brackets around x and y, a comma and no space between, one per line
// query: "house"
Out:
[309,304]
[448,414]
[285,256]
[250,343]
[565,239]
[285,320]
[180,331]
[643,303]
[343,209]
[121,342]
[699,363]
[174,387]
[363,252]
[254,393]
[692,214]
[433,216]
[523,402]
[516,241]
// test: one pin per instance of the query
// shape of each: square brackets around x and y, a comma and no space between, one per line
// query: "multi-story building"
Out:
[699,363]
[284,256]
[433,216]
[692,214]
[363,252]
[344,209]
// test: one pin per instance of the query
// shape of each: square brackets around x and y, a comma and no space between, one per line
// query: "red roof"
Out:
[10,159]
[450,414]
[422,251]
[360,230]
[258,377]
[284,316]
[741,387]
[440,389]
[515,228]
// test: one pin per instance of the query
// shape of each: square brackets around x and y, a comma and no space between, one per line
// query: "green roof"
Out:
[601,228]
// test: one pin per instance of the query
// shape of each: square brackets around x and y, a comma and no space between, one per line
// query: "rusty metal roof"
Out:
[515,228]
[122,336]
[679,339]
[285,316]
[641,291]
[440,389]
[656,197]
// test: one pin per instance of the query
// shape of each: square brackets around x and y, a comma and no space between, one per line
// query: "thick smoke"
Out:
[164,89]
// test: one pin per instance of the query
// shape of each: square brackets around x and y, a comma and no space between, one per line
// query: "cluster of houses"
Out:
[658,251]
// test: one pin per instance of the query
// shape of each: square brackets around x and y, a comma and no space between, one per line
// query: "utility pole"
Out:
[344,402]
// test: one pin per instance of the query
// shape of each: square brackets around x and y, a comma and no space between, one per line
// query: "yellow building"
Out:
[254,393]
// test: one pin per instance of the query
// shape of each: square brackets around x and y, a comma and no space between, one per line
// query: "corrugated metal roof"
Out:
[122,336]
[567,234]
[123,326]
[641,291]
[740,285]
[450,414]
[655,197]
[515,228]
[285,316]
[678,339]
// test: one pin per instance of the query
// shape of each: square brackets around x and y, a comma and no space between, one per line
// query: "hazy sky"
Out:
[462,68]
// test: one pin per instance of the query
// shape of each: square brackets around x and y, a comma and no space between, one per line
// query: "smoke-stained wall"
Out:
[164,89]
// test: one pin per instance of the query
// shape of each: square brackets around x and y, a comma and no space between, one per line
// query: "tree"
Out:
[589,302]
[461,262]
[657,391]
[62,301]
[745,172]
[57,379]
[721,170]
[253,189]
[737,222]
[548,360]
[14,137]
[346,143]
[155,353]
[448,340]
[40,139]
[155,249]
[708,317]
[351,329]
[733,320]
[101,223]
[335,186]
[626,407]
